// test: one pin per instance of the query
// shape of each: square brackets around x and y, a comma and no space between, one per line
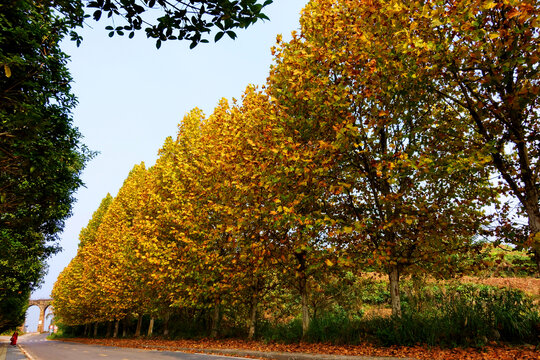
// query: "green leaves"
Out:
[181,20]
[42,156]
[219,35]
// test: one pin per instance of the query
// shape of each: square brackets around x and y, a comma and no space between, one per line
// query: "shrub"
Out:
[289,332]
[462,315]
[451,315]
[336,327]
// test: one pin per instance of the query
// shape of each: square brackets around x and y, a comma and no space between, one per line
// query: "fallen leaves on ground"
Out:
[500,352]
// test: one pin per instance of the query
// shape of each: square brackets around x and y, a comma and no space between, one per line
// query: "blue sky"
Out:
[132,96]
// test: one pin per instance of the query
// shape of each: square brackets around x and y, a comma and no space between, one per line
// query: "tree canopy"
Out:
[41,156]
[481,58]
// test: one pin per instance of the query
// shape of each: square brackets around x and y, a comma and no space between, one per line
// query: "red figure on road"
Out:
[14,338]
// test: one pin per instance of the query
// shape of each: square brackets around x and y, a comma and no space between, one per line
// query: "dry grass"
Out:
[529,285]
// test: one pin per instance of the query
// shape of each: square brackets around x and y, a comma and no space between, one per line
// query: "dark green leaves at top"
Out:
[182,20]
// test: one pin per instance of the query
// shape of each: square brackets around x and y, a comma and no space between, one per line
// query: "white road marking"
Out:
[3,351]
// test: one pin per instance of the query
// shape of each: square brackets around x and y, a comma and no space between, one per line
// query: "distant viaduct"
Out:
[43,305]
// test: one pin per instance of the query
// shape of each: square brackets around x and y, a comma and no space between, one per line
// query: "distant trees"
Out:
[75,294]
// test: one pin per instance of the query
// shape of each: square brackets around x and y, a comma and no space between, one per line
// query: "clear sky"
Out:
[132,96]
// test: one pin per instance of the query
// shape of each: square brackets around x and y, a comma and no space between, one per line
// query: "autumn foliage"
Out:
[372,147]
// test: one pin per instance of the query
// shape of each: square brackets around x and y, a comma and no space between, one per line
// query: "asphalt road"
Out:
[38,348]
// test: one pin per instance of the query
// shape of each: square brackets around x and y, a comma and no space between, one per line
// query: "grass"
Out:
[449,315]
[436,314]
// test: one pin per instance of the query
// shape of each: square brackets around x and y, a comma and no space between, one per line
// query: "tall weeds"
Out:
[452,315]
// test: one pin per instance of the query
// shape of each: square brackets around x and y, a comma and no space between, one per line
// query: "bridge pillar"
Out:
[41,321]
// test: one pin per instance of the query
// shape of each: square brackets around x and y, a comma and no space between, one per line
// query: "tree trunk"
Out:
[95,329]
[86,332]
[139,325]
[302,285]
[215,321]
[534,232]
[125,327]
[116,326]
[166,324]
[536,255]
[394,291]
[109,329]
[151,326]
[253,316]
[305,310]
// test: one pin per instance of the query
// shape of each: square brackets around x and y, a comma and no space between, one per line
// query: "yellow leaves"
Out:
[397,6]
[329,263]
[344,184]
[365,39]
[7,70]
[534,241]
[436,22]
[218,191]
[282,209]
[489,5]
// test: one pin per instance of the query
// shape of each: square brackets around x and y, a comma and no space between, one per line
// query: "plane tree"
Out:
[74,292]
[482,58]
[404,194]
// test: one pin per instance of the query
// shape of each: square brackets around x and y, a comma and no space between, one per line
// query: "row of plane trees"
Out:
[384,139]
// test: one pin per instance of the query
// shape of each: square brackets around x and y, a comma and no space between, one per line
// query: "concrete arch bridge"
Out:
[43,305]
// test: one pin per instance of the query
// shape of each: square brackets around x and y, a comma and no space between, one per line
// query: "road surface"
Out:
[38,348]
